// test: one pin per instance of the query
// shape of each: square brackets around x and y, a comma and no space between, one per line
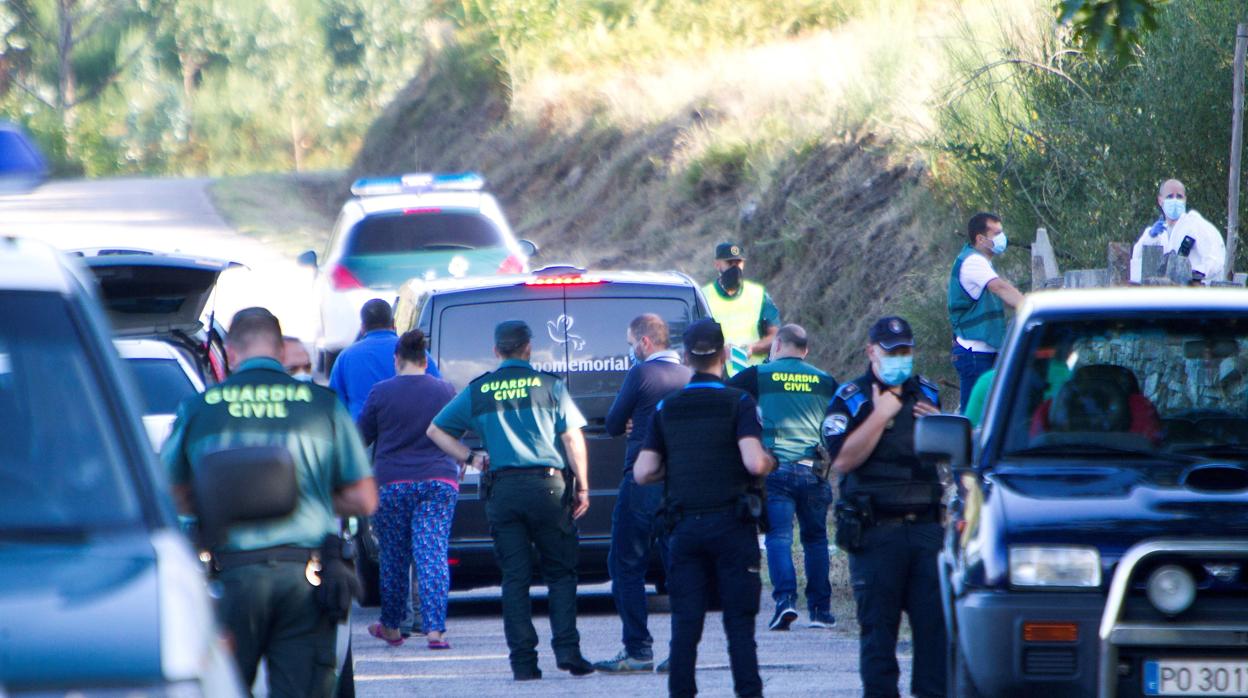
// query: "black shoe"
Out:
[527,674]
[822,619]
[784,617]
[577,666]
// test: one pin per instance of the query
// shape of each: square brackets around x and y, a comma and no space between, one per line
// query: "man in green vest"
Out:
[978,297]
[793,398]
[523,416]
[742,308]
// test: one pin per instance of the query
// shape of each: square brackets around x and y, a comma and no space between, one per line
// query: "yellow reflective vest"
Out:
[738,317]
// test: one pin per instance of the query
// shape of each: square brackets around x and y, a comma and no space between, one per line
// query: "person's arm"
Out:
[625,402]
[861,441]
[757,460]
[763,345]
[1006,292]
[768,326]
[648,468]
[355,490]
[578,460]
[177,466]
[356,499]
[338,378]
[450,424]
[450,445]
[367,421]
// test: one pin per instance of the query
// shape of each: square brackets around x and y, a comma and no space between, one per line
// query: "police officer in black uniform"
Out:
[889,513]
[705,445]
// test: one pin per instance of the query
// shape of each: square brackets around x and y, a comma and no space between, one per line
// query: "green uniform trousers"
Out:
[270,610]
[527,510]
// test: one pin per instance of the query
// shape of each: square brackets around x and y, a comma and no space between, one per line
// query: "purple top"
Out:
[394,419]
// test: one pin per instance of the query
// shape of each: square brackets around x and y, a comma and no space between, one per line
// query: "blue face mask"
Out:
[999,243]
[632,356]
[1173,208]
[894,370]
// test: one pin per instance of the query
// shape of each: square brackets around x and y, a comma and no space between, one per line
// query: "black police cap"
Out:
[511,334]
[725,251]
[704,337]
[891,332]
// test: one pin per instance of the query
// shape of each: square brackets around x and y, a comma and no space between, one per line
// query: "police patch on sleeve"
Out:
[835,424]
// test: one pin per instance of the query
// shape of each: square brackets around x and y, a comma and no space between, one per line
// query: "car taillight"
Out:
[343,280]
[563,281]
[511,265]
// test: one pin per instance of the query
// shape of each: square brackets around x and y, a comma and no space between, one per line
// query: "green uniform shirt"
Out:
[519,412]
[793,397]
[259,405]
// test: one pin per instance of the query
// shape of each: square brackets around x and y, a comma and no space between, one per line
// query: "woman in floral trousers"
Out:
[419,485]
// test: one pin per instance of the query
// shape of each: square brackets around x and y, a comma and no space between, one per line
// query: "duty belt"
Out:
[282,553]
[502,473]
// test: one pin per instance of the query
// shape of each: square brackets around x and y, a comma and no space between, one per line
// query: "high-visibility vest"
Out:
[738,318]
[981,319]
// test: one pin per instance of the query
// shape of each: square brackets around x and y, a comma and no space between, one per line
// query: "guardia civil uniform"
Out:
[793,399]
[745,315]
[520,414]
[269,605]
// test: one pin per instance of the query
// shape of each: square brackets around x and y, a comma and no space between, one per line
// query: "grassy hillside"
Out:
[641,141]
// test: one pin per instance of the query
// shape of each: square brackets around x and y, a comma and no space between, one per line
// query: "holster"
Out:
[853,516]
[569,487]
[752,506]
[339,584]
[485,485]
[823,463]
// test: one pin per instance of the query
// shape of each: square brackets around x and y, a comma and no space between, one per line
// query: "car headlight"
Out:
[1054,566]
[1171,589]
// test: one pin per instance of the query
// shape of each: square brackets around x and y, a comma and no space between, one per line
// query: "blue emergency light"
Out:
[417,183]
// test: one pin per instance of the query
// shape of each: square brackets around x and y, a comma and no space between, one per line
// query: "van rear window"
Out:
[596,342]
[464,336]
[423,232]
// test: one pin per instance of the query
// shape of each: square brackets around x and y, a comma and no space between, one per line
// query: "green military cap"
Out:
[725,251]
[510,335]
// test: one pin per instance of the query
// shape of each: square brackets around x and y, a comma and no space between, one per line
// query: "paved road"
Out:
[171,215]
[802,662]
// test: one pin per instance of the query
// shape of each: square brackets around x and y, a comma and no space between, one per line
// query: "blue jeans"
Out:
[970,365]
[634,534]
[794,489]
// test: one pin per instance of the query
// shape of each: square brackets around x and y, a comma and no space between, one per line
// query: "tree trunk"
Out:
[296,142]
[67,86]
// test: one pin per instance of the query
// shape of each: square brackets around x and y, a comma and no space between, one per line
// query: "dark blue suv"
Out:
[1099,536]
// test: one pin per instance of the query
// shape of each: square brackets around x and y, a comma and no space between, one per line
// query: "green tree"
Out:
[1110,26]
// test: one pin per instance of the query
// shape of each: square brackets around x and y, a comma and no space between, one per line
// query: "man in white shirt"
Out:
[977,300]
[1206,251]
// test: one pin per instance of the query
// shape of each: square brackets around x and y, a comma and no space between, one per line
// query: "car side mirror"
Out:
[241,485]
[944,437]
[307,259]
[529,248]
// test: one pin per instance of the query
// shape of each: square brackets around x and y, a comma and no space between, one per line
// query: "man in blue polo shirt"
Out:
[370,360]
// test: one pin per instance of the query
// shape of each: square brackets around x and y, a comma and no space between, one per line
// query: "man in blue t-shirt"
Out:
[370,360]
[657,374]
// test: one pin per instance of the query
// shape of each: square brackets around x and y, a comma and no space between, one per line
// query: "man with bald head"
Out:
[1181,231]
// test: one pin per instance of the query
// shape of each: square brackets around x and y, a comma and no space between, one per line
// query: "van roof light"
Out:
[418,182]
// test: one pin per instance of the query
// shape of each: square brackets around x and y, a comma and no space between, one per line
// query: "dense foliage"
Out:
[1078,143]
[210,86]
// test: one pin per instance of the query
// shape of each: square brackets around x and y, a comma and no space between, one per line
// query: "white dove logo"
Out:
[560,328]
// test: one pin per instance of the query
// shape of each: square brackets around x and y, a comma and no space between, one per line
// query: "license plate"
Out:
[1196,677]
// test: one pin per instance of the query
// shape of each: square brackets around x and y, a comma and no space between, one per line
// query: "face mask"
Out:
[633,359]
[302,376]
[730,278]
[1173,208]
[894,370]
[999,243]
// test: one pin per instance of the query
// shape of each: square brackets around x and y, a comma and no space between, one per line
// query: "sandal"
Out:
[378,631]
[439,645]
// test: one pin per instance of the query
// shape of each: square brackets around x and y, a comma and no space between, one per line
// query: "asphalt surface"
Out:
[165,215]
[801,662]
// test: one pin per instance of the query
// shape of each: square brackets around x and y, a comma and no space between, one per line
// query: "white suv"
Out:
[395,229]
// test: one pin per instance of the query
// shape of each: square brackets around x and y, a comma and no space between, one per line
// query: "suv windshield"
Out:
[60,465]
[1133,385]
[422,232]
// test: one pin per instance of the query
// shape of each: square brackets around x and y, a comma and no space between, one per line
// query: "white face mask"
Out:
[1173,208]
[302,376]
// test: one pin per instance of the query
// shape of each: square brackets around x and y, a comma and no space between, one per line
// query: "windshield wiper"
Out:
[1075,450]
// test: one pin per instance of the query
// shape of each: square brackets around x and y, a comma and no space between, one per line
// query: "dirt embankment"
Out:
[837,232]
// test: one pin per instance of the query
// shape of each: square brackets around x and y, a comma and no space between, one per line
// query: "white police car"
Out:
[422,225]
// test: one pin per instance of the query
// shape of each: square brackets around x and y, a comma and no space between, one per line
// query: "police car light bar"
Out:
[418,182]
